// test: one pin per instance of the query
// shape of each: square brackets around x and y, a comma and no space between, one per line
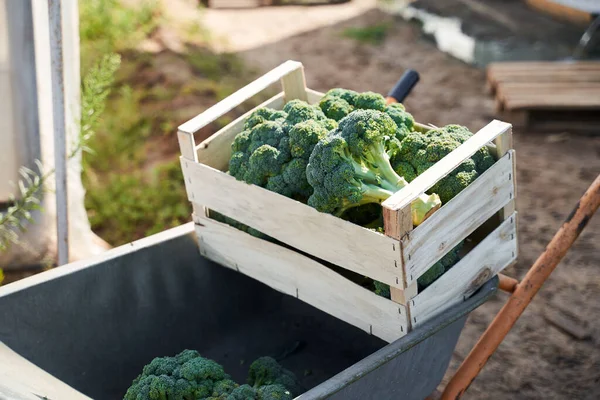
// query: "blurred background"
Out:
[136,69]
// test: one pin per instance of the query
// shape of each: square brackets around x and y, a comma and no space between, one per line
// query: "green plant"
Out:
[108,26]
[374,34]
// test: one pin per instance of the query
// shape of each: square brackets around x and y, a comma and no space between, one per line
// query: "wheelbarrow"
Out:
[86,329]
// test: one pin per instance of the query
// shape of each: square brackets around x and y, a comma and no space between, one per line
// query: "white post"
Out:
[31,135]
[60,143]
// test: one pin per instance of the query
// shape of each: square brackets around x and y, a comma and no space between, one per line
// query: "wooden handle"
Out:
[525,292]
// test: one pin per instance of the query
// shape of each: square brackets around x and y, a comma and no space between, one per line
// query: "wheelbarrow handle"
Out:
[524,292]
[403,87]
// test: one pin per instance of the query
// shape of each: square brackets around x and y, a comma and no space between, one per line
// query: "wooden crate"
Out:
[398,257]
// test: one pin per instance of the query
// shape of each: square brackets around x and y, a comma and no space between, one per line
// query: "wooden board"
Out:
[296,275]
[525,86]
[323,235]
[215,151]
[20,379]
[224,106]
[458,218]
[560,11]
[496,252]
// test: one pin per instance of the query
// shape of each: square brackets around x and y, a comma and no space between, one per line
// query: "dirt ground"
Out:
[537,360]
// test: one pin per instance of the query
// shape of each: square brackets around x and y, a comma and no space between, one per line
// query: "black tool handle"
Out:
[405,84]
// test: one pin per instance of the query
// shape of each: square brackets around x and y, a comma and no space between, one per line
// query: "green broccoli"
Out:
[338,103]
[274,392]
[335,108]
[273,149]
[243,392]
[351,167]
[267,371]
[403,119]
[300,111]
[187,376]
[419,151]
[370,101]
[263,114]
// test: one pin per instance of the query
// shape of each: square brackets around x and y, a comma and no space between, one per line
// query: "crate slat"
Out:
[296,275]
[313,95]
[496,252]
[215,151]
[323,235]
[224,106]
[458,218]
[437,172]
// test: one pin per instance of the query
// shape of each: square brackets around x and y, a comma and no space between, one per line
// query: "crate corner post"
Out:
[397,224]
[294,83]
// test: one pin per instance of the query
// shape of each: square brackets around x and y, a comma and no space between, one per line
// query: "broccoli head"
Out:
[273,149]
[351,167]
[187,376]
[403,119]
[243,392]
[300,111]
[263,114]
[338,103]
[419,151]
[266,371]
[370,101]
[274,392]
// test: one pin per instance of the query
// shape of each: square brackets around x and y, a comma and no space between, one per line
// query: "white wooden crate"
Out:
[398,257]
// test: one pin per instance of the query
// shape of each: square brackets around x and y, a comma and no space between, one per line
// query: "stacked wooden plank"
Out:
[551,87]
[543,85]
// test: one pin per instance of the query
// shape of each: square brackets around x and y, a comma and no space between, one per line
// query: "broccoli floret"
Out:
[274,392]
[243,392]
[267,371]
[300,111]
[423,150]
[304,136]
[404,169]
[345,94]
[263,114]
[185,376]
[273,150]
[382,289]
[350,167]
[370,101]
[403,119]
[223,389]
[335,108]
[337,103]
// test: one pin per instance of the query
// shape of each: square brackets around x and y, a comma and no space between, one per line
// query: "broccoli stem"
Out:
[375,194]
[423,206]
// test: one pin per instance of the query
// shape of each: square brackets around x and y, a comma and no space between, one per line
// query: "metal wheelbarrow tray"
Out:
[87,328]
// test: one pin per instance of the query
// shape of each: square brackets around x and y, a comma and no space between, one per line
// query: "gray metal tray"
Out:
[91,326]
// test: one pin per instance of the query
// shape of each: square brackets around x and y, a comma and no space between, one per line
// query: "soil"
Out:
[537,360]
